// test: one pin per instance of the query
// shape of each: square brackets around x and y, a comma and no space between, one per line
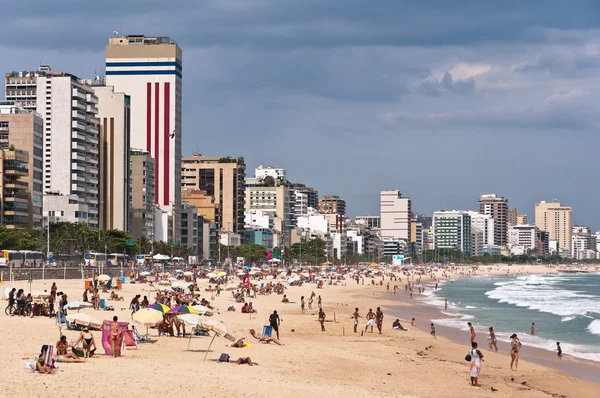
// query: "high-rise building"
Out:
[497,207]
[149,70]
[396,214]
[369,221]
[115,121]
[312,195]
[222,178]
[522,239]
[512,216]
[521,219]
[276,201]
[191,228]
[557,220]
[23,129]
[332,204]
[14,190]
[68,107]
[270,171]
[142,195]
[452,230]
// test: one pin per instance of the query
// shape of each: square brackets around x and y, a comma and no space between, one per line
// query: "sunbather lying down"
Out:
[244,360]
[263,339]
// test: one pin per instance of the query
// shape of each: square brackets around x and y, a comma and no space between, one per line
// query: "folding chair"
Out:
[129,339]
[267,331]
[138,337]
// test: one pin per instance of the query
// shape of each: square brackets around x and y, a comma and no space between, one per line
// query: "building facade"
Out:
[497,207]
[312,195]
[223,179]
[452,230]
[557,220]
[14,189]
[149,70]
[114,115]
[270,171]
[71,137]
[332,204]
[396,214]
[372,222]
[276,201]
[522,239]
[22,129]
[141,196]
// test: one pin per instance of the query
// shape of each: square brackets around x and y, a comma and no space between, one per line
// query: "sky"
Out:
[441,100]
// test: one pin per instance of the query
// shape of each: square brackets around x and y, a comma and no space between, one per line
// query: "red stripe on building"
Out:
[149,117]
[156,141]
[166,152]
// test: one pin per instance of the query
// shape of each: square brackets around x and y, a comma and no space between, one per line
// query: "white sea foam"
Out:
[543,293]
[567,318]
[594,327]
[470,307]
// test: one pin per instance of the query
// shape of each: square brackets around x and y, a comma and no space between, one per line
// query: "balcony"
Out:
[91,109]
[79,95]
[78,135]
[77,167]
[78,125]
[16,171]
[92,160]
[79,115]
[16,184]
[93,180]
[93,170]
[92,139]
[93,190]
[92,98]
[78,147]
[78,105]
[77,177]
[15,211]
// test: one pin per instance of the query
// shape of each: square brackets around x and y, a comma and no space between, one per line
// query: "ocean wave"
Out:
[470,307]
[543,293]
[567,318]
[594,327]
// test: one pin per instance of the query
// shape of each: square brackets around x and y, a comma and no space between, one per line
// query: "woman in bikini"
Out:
[515,346]
[62,355]
[88,341]
[492,341]
[115,336]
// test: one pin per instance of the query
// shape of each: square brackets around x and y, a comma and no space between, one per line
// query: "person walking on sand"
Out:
[515,346]
[432,332]
[302,304]
[370,320]
[319,301]
[472,330]
[322,319]
[379,319]
[493,339]
[274,321]
[475,369]
[355,316]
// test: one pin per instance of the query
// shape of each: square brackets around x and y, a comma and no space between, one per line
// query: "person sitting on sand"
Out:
[61,352]
[88,341]
[41,366]
[145,302]
[396,325]
[263,339]
[114,296]
[231,308]
[245,308]
[285,299]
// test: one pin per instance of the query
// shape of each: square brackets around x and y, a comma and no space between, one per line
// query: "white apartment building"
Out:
[582,243]
[300,203]
[114,115]
[482,229]
[355,236]
[258,219]
[315,223]
[396,215]
[69,108]
[338,245]
[270,171]
[276,201]
[230,239]
[150,71]
[373,222]
[522,238]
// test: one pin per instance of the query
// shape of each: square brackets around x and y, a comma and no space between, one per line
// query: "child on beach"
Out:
[412,322]
[433,331]
[558,350]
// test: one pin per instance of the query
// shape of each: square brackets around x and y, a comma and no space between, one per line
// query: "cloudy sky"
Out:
[441,100]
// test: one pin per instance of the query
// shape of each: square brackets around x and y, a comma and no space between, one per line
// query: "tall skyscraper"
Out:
[114,117]
[557,221]
[452,230]
[497,207]
[396,214]
[23,129]
[142,195]
[149,70]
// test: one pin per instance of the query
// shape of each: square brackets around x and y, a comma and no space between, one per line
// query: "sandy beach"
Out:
[337,362]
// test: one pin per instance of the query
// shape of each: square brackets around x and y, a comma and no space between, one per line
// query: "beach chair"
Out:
[267,331]
[138,337]
[129,339]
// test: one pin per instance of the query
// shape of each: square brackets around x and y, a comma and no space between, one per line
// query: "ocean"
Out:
[564,307]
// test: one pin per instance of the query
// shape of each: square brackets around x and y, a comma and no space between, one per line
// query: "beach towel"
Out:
[106,329]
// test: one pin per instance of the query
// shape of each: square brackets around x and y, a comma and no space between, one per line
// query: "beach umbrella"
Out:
[192,320]
[104,278]
[219,328]
[241,273]
[183,309]
[145,273]
[179,271]
[160,307]
[77,305]
[221,273]
[180,284]
[160,257]
[85,320]
[202,310]
[148,317]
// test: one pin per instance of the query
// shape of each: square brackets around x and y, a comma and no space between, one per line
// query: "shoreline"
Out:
[580,368]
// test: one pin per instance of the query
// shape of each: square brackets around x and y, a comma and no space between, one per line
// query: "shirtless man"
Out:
[472,330]
[115,336]
[379,319]
[355,316]
[322,319]
[370,320]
